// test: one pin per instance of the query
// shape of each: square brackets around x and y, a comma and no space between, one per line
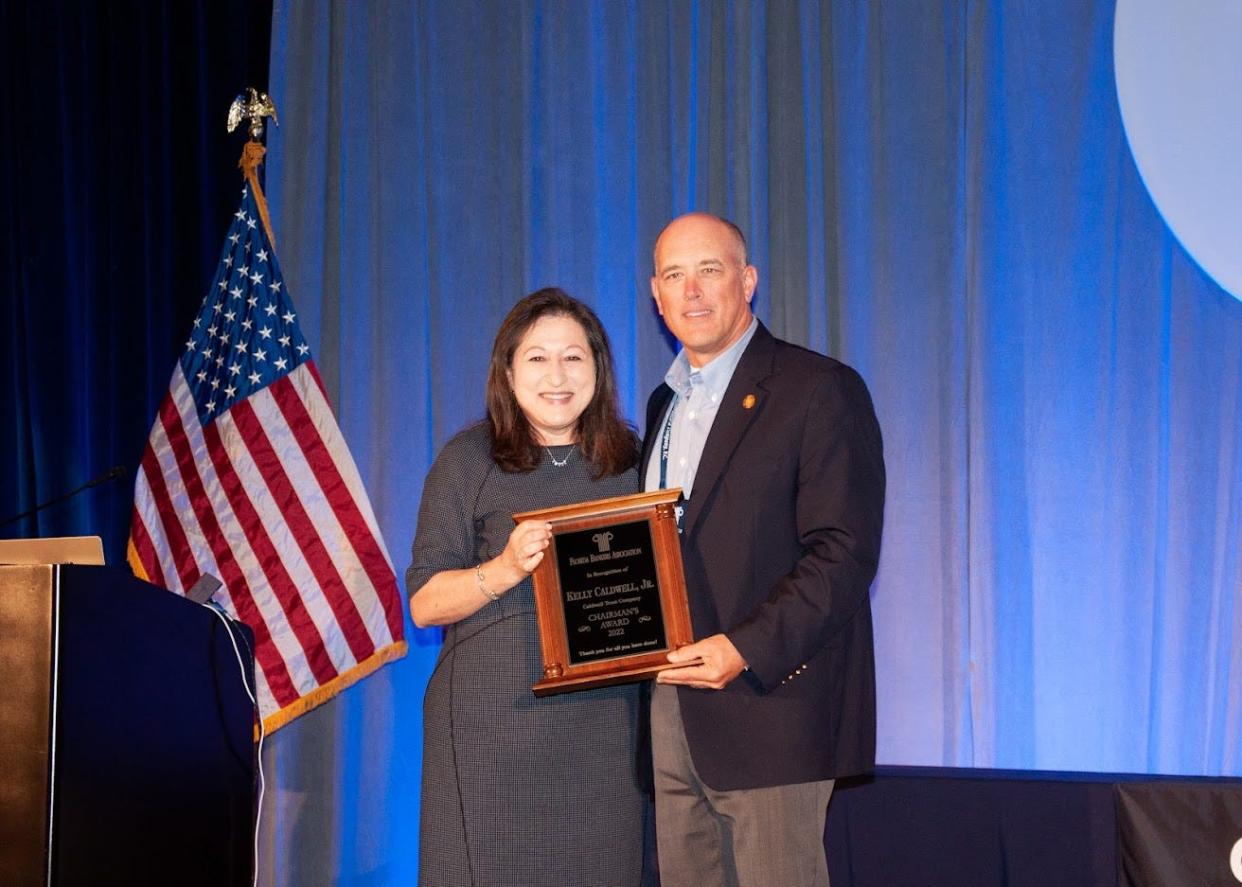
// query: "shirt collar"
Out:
[716,374]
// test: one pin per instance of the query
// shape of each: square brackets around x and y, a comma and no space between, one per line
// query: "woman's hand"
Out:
[451,595]
[526,546]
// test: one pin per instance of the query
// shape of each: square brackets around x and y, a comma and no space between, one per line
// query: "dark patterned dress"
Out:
[516,790]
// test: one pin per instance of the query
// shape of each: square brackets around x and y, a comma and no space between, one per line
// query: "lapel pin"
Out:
[748,402]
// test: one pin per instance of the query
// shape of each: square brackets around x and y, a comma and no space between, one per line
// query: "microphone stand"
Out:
[114,473]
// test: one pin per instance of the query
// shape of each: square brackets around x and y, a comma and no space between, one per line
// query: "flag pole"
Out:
[254,106]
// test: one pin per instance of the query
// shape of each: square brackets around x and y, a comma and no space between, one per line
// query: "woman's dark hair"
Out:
[604,438]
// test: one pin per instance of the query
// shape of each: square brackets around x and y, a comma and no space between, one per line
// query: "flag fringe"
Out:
[322,694]
[135,563]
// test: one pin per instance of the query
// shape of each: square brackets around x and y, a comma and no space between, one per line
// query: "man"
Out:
[779,454]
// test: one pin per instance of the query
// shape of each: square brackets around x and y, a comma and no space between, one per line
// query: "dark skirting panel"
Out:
[924,827]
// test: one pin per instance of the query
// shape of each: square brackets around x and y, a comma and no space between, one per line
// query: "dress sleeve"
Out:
[445,538]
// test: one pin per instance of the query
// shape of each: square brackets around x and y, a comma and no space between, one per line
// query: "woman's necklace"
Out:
[563,462]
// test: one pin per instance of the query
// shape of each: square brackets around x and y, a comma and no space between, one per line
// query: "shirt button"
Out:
[681,461]
[692,414]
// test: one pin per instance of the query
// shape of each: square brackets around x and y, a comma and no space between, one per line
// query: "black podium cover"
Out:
[126,733]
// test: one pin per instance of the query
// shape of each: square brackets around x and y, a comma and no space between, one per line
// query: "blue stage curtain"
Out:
[939,194]
[117,181]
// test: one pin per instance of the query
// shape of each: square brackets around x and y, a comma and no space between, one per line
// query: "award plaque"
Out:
[610,592]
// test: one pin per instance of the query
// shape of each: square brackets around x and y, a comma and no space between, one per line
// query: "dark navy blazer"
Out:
[781,538]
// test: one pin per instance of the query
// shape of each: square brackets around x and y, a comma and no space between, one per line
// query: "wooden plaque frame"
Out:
[560,672]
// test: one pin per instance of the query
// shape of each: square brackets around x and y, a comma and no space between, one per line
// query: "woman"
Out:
[519,790]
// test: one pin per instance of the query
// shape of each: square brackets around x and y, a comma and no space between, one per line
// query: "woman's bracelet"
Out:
[478,577]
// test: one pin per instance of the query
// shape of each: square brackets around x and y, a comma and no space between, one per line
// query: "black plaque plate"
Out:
[610,592]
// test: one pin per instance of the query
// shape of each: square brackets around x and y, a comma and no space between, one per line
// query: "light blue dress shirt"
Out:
[697,393]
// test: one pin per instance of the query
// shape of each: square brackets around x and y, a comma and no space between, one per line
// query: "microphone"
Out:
[116,472]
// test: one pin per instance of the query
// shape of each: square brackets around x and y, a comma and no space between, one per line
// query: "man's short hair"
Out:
[737,232]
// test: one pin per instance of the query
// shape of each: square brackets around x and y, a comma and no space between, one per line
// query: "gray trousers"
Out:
[744,838]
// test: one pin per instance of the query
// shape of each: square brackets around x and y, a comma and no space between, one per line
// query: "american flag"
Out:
[246,476]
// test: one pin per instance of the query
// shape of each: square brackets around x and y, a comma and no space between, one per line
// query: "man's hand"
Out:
[721,664]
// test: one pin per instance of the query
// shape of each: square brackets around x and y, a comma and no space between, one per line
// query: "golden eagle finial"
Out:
[255,107]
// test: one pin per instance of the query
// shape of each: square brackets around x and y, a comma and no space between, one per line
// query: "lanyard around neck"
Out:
[666,439]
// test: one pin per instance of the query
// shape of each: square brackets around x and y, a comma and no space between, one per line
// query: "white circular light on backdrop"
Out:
[1178,66]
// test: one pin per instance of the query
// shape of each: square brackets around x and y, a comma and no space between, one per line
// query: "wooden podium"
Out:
[126,734]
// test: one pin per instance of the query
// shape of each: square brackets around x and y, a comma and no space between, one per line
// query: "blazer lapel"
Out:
[742,403]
